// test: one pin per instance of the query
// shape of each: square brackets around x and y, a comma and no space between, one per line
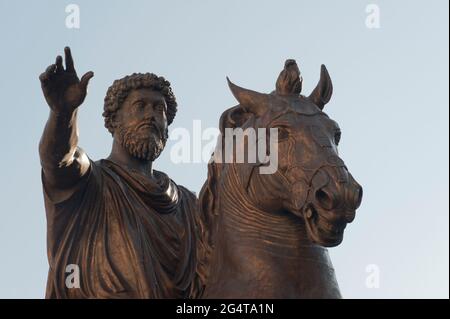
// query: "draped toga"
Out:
[130,236]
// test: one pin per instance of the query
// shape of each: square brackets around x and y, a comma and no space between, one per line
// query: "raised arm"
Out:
[61,159]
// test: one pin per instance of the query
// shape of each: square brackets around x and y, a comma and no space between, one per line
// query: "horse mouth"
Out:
[320,230]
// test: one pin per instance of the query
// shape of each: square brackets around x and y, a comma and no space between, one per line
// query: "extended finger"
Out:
[69,60]
[59,64]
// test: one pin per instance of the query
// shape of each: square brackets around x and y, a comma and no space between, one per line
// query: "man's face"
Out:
[142,124]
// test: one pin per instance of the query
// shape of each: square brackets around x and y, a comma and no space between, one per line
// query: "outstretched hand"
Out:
[62,89]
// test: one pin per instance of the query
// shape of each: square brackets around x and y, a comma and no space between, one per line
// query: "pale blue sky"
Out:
[391,101]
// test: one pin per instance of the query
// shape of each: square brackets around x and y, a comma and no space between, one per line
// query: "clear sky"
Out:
[390,99]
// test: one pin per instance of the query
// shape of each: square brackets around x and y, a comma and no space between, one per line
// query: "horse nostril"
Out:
[325,200]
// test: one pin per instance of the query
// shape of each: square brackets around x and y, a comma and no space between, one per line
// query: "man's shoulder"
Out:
[111,167]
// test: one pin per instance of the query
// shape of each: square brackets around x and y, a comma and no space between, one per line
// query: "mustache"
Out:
[153,126]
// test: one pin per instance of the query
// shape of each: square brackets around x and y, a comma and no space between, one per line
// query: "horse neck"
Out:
[243,224]
[259,254]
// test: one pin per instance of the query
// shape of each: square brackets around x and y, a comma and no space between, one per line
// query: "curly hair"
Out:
[120,89]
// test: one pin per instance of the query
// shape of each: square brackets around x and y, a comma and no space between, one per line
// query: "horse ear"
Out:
[321,95]
[251,101]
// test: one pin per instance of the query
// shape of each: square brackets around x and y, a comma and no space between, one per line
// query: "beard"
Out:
[144,144]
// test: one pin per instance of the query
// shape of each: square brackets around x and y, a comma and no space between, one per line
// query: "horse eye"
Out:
[138,104]
[337,137]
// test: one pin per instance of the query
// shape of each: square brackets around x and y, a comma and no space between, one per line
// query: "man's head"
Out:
[138,109]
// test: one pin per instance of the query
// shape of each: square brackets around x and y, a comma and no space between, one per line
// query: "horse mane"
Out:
[208,207]
[208,213]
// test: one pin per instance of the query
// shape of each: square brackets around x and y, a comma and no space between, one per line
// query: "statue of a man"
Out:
[125,229]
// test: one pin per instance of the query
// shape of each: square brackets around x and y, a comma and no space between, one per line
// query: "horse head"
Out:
[311,180]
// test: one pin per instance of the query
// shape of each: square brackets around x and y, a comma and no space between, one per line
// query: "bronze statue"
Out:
[129,228]
[134,233]
[267,232]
